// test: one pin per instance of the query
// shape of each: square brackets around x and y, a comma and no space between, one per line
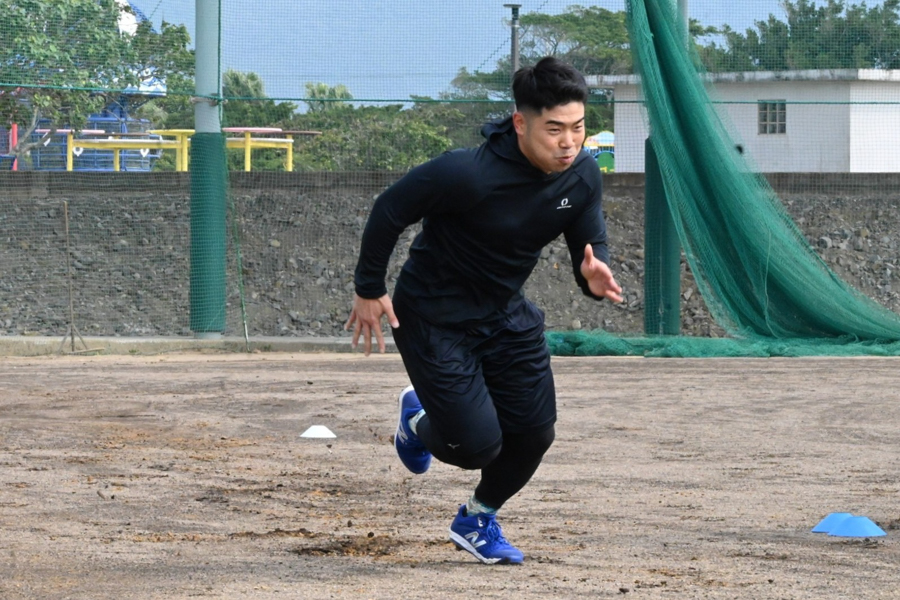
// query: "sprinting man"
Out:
[482,393]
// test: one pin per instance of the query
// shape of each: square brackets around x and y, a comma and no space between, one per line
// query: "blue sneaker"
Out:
[481,536]
[412,452]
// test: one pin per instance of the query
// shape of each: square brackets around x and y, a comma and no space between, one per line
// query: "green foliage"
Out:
[246,105]
[61,60]
[832,36]
[479,99]
[322,96]
[370,138]
[57,53]
[165,56]
[594,40]
[461,122]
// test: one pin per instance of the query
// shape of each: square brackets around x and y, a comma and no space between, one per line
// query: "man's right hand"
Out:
[365,318]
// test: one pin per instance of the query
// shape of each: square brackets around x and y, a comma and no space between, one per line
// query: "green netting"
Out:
[601,343]
[756,271]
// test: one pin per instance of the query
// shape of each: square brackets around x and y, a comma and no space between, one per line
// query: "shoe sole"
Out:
[462,543]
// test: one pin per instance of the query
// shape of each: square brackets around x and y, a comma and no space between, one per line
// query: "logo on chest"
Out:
[564,203]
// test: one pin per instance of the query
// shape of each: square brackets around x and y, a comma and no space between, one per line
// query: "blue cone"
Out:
[827,524]
[857,527]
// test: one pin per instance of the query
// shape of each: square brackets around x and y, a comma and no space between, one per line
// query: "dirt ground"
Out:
[184,475]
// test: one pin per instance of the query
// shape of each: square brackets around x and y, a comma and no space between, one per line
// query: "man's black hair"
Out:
[548,84]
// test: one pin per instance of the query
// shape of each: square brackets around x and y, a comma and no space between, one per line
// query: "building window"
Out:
[772,117]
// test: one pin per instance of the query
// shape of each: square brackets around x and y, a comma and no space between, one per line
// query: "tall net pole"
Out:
[685,18]
[662,250]
[208,181]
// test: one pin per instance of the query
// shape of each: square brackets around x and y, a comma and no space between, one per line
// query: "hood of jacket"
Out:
[502,139]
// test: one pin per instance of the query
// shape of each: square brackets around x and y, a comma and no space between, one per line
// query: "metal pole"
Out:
[662,254]
[209,178]
[207,76]
[685,18]
[662,249]
[514,37]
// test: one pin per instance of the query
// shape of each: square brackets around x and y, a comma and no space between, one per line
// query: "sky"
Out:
[389,49]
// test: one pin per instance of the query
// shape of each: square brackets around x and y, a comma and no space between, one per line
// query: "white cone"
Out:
[318,431]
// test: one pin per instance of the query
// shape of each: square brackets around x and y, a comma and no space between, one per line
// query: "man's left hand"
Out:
[600,279]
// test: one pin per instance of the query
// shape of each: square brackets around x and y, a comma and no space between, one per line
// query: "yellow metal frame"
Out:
[180,142]
[247,142]
[183,139]
[116,144]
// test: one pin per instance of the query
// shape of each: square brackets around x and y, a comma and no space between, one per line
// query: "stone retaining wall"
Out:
[298,235]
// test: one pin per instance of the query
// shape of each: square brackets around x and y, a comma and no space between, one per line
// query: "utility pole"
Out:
[514,43]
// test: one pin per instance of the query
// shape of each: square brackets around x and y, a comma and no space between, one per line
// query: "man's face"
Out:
[552,139]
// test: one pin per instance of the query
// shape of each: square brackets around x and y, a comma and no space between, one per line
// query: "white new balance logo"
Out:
[473,538]
[564,203]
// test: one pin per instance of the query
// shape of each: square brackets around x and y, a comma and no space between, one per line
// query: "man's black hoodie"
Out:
[487,213]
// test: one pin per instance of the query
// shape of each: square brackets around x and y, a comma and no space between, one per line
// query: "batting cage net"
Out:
[769,182]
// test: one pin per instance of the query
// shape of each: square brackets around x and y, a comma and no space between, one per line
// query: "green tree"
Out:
[461,122]
[57,57]
[593,39]
[246,105]
[368,138]
[61,60]
[480,97]
[165,56]
[834,35]
[321,96]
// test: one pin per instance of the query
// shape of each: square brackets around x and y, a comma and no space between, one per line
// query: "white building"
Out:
[817,121]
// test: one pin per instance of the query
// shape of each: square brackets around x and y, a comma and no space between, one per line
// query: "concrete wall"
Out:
[842,126]
[818,133]
[630,128]
[875,128]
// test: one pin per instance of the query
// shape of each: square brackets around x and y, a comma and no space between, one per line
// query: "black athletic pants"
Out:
[488,395]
